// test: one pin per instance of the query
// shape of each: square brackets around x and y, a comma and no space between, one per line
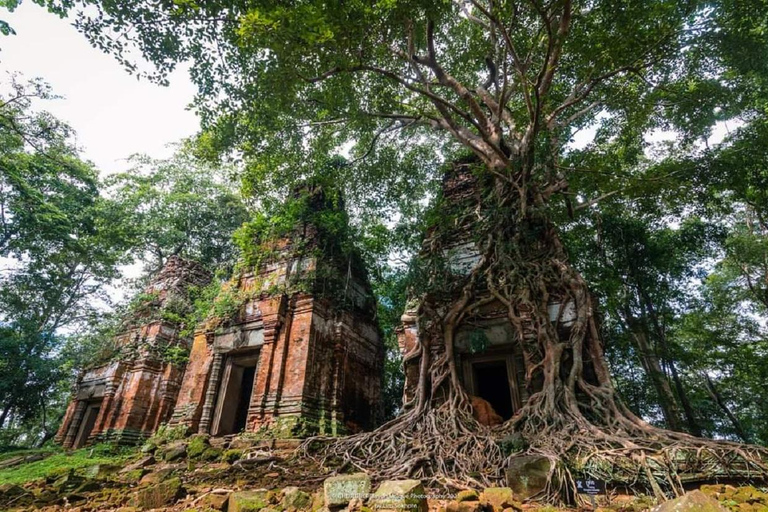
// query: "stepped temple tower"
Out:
[488,348]
[291,348]
[128,397]
[301,353]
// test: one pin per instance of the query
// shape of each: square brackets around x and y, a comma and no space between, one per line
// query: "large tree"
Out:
[178,206]
[60,245]
[289,85]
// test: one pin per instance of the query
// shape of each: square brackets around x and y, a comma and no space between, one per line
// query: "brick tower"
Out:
[302,352]
[126,398]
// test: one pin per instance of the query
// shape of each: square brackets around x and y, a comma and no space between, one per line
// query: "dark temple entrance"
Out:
[492,384]
[497,377]
[246,388]
[234,397]
[87,424]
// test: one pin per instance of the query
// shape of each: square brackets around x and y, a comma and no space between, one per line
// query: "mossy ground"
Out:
[60,462]
[198,477]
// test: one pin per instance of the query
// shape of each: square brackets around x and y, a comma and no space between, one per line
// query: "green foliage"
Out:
[62,243]
[317,203]
[178,206]
[166,433]
[197,447]
[671,236]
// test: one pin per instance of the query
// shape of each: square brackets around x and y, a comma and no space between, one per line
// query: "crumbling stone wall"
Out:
[127,398]
[315,349]
[485,338]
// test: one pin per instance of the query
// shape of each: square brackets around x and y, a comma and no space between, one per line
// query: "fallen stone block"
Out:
[694,501]
[102,470]
[464,506]
[499,498]
[13,461]
[527,475]
[295,499]
[340,490]
[11,490]
[68,483]
[400,495]
[467,495]
[158,495]
[213,501]
[248,501]
[157,476]
[139,464]
[174,451]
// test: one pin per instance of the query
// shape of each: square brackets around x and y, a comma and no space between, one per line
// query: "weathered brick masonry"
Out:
[301,353]
[127,398]
[299,356]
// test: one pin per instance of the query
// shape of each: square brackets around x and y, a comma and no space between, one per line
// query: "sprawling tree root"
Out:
[573,416]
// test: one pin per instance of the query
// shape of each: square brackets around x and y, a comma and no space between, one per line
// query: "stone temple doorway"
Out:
[87,423]
[235,393]
[493,377]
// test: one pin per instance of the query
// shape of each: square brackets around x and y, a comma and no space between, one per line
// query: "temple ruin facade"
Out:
[128,397]
[302,355]
[296,352]
[487,347]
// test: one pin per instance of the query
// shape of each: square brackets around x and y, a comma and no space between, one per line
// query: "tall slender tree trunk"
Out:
[5,413]
[661,335]
[718,399]
[652,366]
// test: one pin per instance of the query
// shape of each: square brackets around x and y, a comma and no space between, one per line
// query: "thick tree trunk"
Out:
[572,416]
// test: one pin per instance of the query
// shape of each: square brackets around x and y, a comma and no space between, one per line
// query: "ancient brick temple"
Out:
[487,348]
[297,350]
[302,354]
[128,397]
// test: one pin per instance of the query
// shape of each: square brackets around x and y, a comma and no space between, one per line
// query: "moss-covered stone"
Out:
[173,451]
[157,476]
[247,501]
[499,498]
[467,495]
[197,446]
[211,453]
[102,470]
[87,486]
[527,475]
[231,456]
[133,476]
[694,501]
[68,482]
[464,506]
[295,499]
[159,495]
[214,501]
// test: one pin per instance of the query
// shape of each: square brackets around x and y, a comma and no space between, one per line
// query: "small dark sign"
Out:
[590,486]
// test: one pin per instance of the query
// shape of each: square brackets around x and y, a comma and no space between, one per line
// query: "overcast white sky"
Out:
[113,113]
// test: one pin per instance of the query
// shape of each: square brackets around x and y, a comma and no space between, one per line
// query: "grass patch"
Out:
[62,462]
